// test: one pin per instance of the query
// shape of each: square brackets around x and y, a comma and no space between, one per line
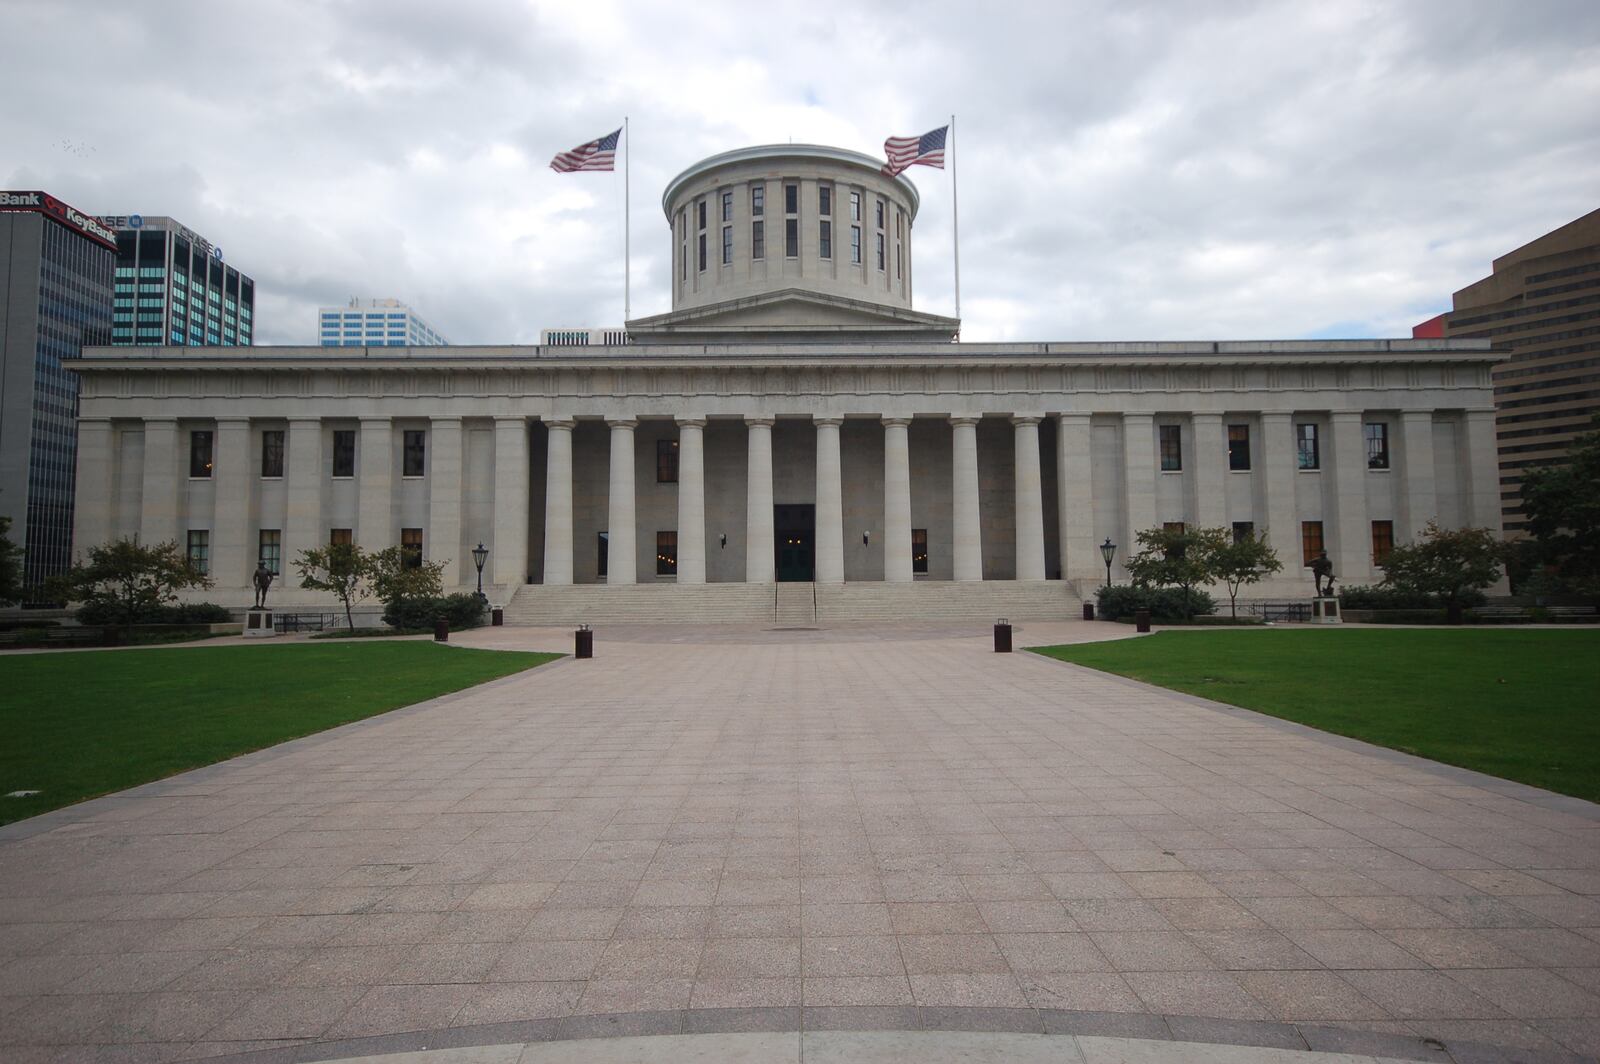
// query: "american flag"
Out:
[596,155]
[926,150]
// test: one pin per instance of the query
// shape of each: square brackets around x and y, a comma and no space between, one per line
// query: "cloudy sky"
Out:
[1128,169]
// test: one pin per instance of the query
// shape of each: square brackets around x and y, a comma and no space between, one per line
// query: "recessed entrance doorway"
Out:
[795,525]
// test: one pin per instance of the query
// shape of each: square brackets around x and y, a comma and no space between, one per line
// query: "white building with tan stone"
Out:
[793,441]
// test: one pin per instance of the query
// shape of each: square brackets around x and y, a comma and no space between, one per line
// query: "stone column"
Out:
[510,557]
[1351,551]
[760,548]
[691,500]
[375,508]
[557,504]
[1030,500]
[966,521]
[164,471]
[1483,471]
[93,514]
[1080,558]
[303,529]
[1138,479]
[1210,471]
[233,556]
[1419,494]
[1279,467]
[896,500]
[830,503]
[443,534]
[623,551]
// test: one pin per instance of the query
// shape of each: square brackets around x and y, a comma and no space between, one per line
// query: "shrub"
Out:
[460,611]
[1382,597]
[104,613]
[1164,604]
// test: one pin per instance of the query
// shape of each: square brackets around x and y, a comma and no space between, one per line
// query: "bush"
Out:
[460,611]
[1164,604]
[103,613]
[1379,597]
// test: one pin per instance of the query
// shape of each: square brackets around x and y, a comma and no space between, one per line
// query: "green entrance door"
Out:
[795,525]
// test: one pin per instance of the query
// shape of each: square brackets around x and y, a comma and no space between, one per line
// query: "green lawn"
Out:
[77,725]
[1524,705]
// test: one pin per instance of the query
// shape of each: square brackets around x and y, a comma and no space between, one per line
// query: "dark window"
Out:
[727,206]
[683,245]
[1307,454]
[791,237]
[1173,526]
[1243,530]
[727,245]
[666,553]
[603,558]
[1310,541]
[200,551]
[880,251]
[758,240]
[416,452]
[825,239]
[1239,448]
[341,537]
[1377,436]
[1382,540]
[272,454]
[880,214]
[411,547]
[855,244]
[344,452]
[791,199]
[824,200]
[666,461]
[919,550]
[269,550]
[1171,448]
[200,453]
[702,239]
[855,206]
[700,214]
[758,201]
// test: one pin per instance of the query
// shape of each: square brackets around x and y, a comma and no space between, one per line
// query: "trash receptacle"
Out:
[1141,620]
[1002,636]
[583,642]
[497,617]
[441,631]
[1088,611]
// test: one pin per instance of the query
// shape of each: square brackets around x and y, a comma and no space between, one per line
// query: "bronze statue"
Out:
[1322,570]
[262,581]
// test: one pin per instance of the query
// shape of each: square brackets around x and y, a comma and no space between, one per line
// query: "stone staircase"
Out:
[792,605]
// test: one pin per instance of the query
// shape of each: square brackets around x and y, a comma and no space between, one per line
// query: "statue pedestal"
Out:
[1325,611]
[258,623]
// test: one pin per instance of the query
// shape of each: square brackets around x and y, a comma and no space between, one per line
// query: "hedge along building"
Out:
[792,441]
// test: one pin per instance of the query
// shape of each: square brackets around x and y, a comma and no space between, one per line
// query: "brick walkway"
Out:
[894,829]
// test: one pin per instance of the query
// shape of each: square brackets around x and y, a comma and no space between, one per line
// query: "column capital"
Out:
[628,423]
[1206,415]
[376,419]
[231,419]
[691,422]
[1138,415]
[893,422]
[1066,416]
[753,420]
[559,424]
[160,419]
[1026,419]
[1416,415]
[304,419]
[1276,415]
[962,420]
[826,419]
[446,419]
[1345,415]
[510,419]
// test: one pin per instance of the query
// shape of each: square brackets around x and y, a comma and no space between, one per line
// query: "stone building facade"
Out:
[802,431]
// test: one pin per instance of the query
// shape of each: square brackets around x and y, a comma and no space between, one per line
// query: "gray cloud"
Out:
[1127,170]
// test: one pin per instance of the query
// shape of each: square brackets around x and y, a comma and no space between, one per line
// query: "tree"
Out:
[10,566]
[1241,562]
[342,569]
[399,574]
[125,578]
[1177,558]
[1445,564]
[1562,504]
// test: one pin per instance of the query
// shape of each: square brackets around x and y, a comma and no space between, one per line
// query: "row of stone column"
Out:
[760,534]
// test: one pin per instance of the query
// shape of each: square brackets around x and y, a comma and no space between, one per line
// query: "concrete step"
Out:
[794,605]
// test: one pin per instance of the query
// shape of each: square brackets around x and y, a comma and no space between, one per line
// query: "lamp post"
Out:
[480,554]
[1108,550]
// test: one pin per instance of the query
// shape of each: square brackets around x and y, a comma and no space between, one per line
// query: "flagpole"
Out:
[627,224]
[955,215]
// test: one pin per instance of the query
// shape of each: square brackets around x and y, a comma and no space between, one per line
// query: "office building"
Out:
[583,337]
[793,441]
[375,323]
[55,298]
[174,289]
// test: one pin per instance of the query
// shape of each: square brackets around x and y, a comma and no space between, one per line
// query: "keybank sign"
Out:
[74,219]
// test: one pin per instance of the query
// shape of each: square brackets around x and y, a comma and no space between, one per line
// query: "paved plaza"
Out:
[745,831]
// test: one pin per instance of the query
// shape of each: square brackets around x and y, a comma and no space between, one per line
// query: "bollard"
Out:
[497,617]
[1141,620]
[1002,636]
[583,642]
[1088,611]
[441,631]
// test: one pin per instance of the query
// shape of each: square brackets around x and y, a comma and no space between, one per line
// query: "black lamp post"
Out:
[480,554]
[1108,550]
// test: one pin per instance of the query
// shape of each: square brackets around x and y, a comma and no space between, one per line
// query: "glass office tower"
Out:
[375,323]
[173,288]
